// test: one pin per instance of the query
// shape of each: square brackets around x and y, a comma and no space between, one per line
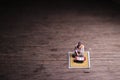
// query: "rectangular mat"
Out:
[85,64]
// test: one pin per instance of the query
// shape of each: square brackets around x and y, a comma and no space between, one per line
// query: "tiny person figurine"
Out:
[79,49]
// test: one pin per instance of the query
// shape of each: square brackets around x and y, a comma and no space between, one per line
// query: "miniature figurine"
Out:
[79,49]
[79,53]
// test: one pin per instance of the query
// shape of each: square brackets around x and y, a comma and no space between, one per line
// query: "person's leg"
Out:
[74,54]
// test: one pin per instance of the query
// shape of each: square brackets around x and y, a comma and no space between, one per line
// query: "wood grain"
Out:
[35,41]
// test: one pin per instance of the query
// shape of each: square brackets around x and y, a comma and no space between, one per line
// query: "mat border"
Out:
[79,67]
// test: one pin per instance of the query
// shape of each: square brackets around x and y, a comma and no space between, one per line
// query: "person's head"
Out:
[79,43]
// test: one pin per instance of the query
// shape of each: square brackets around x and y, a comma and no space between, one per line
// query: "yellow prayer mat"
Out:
[85,64]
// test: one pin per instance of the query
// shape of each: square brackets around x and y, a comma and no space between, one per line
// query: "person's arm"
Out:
[75,48]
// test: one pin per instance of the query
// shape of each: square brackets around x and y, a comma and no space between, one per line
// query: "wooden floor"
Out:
[35,40]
